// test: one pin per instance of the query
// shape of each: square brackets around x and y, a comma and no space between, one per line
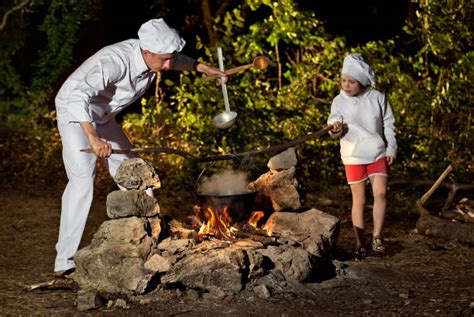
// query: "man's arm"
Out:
[209,70]
[101,148]
[183,62]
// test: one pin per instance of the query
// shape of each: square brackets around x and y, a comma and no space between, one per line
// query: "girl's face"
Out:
[351,86]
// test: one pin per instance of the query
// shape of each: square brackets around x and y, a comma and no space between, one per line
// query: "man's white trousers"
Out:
[80,170]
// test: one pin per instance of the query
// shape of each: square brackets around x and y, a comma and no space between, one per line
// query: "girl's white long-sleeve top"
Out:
[370,132]
[107,82]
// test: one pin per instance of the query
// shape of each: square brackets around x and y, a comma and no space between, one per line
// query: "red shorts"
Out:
[359,173]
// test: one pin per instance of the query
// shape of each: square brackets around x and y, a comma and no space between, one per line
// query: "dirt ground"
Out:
[418,276]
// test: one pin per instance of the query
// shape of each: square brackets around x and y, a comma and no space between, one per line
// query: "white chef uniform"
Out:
[96,92]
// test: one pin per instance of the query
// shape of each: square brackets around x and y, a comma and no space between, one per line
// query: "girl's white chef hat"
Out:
[157,37]
[355,66]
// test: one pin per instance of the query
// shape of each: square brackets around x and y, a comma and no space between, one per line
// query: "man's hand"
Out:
[390,160]
[100,147]
[336,127]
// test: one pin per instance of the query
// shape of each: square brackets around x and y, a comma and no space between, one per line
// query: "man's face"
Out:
[158,62]
[351,86]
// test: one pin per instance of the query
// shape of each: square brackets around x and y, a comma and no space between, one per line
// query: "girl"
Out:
[362,117]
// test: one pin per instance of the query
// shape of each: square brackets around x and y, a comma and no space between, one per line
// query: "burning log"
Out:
[264,239]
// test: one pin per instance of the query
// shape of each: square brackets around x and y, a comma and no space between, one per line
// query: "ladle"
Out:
[259,62]
[225,119]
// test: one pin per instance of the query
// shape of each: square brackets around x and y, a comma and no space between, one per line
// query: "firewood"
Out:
[449,200]
[446,229]
[257,231]
[265,240]
[56,284]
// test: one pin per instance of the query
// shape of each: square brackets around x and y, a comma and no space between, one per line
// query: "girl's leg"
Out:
[379,189]
[358,202]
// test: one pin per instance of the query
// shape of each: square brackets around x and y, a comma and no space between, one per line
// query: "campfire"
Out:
[217,223]
[226,209]
[242,237]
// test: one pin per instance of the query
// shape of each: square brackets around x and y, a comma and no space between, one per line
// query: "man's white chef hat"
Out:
[157,37]
[355,66]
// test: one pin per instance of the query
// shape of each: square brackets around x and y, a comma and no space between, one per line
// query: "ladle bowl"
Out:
[224,120]
[261,62]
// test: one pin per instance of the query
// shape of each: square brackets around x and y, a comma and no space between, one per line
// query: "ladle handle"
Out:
[230,71]
[223,85]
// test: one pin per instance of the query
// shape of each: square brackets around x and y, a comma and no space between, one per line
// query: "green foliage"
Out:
[429,80]
[61,26]
[29,137]
[426,74]
[26,90]
[291,98]
[434,85]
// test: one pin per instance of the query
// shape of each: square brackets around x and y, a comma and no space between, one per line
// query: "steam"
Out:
[228,182]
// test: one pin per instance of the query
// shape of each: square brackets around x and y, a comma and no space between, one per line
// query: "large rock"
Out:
[128,203]
[135,173]
[280,187]
[296,264]
[114,260]
[217,271]
[314,230]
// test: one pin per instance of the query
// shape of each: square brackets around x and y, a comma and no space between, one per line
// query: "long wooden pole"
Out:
[276,148]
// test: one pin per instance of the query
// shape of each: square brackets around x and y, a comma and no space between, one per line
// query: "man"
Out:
[86,106]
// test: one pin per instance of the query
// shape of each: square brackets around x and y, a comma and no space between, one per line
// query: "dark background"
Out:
[358,21]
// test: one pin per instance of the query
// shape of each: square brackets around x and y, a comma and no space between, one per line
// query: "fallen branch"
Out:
[435,186]
[9,12]
[433,226]
[56,284]
[430,225]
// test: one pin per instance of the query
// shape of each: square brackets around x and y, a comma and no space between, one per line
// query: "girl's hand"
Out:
[390,160]
[336,127]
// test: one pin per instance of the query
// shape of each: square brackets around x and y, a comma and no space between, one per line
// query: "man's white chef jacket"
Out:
[108,82]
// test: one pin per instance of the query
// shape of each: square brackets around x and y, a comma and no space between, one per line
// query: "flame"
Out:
[255,217]
[218,223]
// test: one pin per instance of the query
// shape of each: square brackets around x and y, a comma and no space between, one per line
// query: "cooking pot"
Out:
[239,206]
